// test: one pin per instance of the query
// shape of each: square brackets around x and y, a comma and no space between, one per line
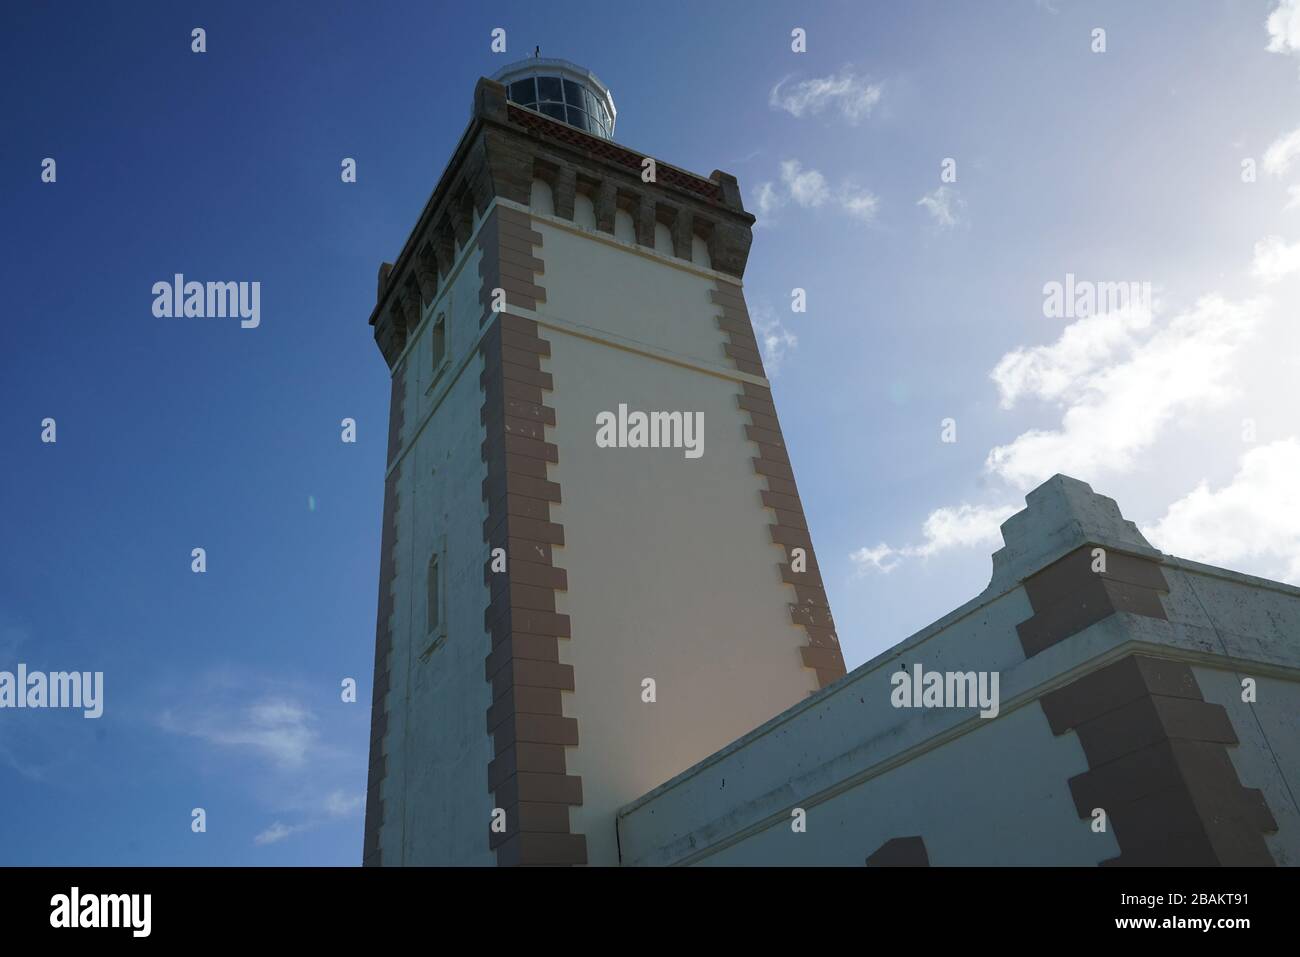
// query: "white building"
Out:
[556,279]
[605,647]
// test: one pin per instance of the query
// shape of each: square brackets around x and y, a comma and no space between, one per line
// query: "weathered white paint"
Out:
[437,804]
[624,227]
[584,211]
[700,252]
[663,240]
[541,198]
[992,772]
[1268,757]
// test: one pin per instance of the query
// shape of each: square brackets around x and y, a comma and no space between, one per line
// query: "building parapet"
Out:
[504,148]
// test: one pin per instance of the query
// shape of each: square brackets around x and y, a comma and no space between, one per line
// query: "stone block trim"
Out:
[527,776]
[810,609]
[900,852]
[511,261]
[733,319]
[372,854]
[1067,596]
[1159,767]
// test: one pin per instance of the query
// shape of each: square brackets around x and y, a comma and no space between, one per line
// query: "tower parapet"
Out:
[503,150]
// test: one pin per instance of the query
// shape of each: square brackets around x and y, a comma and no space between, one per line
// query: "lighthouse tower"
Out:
[595,567]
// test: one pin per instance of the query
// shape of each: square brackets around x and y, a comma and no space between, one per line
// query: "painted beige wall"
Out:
[625,292]
[672,573]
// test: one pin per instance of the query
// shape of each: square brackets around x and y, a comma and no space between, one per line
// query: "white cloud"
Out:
[962,526]
[1283,26]
[1116,410]
[806,187]
[767,200]
[1255,518]
[1121,379]
[1281,153]
[944,205]
[342,804]
[280,729]
[275,833]
[854,96]
[1048,372]
[774,338]
[859,203]
[809,189]
[1294,193]
[337,804]
[1275,259]
[277,729]
[267,739]
[882,558]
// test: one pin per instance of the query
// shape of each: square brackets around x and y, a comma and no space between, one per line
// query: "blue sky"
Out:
[924,303]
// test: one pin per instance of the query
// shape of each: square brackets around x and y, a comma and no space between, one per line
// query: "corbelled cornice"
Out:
[502,150]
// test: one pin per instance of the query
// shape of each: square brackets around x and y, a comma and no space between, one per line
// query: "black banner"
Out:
[333,906]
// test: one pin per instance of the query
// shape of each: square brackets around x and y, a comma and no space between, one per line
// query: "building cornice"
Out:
[503,149]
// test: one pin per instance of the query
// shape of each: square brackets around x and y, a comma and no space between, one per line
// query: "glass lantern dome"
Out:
[563,91]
